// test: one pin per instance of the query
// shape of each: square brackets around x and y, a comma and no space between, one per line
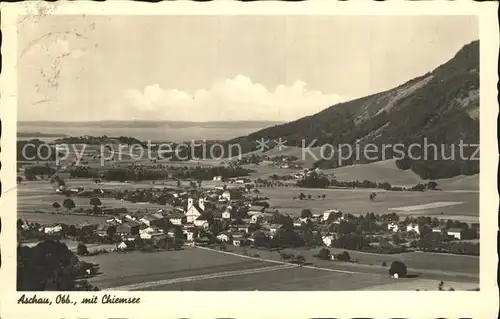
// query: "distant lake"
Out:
[155,131]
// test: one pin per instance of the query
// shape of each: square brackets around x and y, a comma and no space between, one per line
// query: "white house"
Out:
[217,178]
[122,246]
[455,232]
[177,219]
[201,221]
[226,214]
[224,237]
[327,213]
[226,195]
[146,230]
[327,240]
[437,230]
[193,211]
[52,229]
[256,219]
[413,227]
[273,228]
[256,209]
[393,226]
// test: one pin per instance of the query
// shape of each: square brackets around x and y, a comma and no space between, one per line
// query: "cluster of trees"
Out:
[31,172]
[431,185]
[289,257]
[139,173]
[315,181]
[51,266]
[37,151]
[437,242]
[100,140]
[303,196]
[325,254]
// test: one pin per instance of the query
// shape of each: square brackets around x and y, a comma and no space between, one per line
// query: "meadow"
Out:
[120,269]
[205,269]
[357,202]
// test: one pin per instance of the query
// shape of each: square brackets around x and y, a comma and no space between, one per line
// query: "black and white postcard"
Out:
[249,160]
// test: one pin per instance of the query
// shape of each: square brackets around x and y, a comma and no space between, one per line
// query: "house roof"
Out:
[455,230]
[176,215]
[257,208]
[204,216]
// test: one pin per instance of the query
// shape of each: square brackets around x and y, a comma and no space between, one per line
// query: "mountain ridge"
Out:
[447,100]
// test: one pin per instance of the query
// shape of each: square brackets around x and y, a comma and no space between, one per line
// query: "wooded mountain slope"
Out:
[441,106]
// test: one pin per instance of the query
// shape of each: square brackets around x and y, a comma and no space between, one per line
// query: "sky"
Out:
[221,68]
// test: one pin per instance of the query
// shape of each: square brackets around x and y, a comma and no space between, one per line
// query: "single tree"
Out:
[95,201]
[399,268]
[69,204]
[81,249]
[323,196]
[56,205]
[432,185]
[19,179]
[309,196]
[300,259]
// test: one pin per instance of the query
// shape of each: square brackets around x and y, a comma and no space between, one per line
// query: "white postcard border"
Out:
[483,304]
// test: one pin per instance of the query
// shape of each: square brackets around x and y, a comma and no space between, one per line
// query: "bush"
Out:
[344,256]
[324,254]
[81,249]
[399,268]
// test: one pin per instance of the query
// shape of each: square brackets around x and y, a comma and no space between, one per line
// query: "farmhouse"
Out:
[327,240]
[437,230]
[202,221]
[217,178]
[413,228]
[155,236]
[54,229]
[226,195]
[332,212]
[456,232]
[393,227]
[256,209]
[273,228]
[226,214]
[224,237]
[105,230]
[128,228]
[151,220]
[177,219]
[193,211]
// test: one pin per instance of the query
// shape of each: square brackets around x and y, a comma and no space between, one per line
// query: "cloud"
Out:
[235,98]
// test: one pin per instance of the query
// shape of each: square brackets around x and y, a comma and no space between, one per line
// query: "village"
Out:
[236,214]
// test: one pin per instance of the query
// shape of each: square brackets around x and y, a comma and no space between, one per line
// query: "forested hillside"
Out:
[441,106]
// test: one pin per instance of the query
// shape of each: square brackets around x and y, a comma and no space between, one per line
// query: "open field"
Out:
[206,269]
[135,267]
[424,284]
[357,201]
[422,263]
[383,171]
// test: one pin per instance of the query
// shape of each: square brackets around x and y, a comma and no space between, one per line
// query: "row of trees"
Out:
[51,266]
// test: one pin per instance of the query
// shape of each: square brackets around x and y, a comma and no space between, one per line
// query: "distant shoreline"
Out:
[155,124]
[39,134]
